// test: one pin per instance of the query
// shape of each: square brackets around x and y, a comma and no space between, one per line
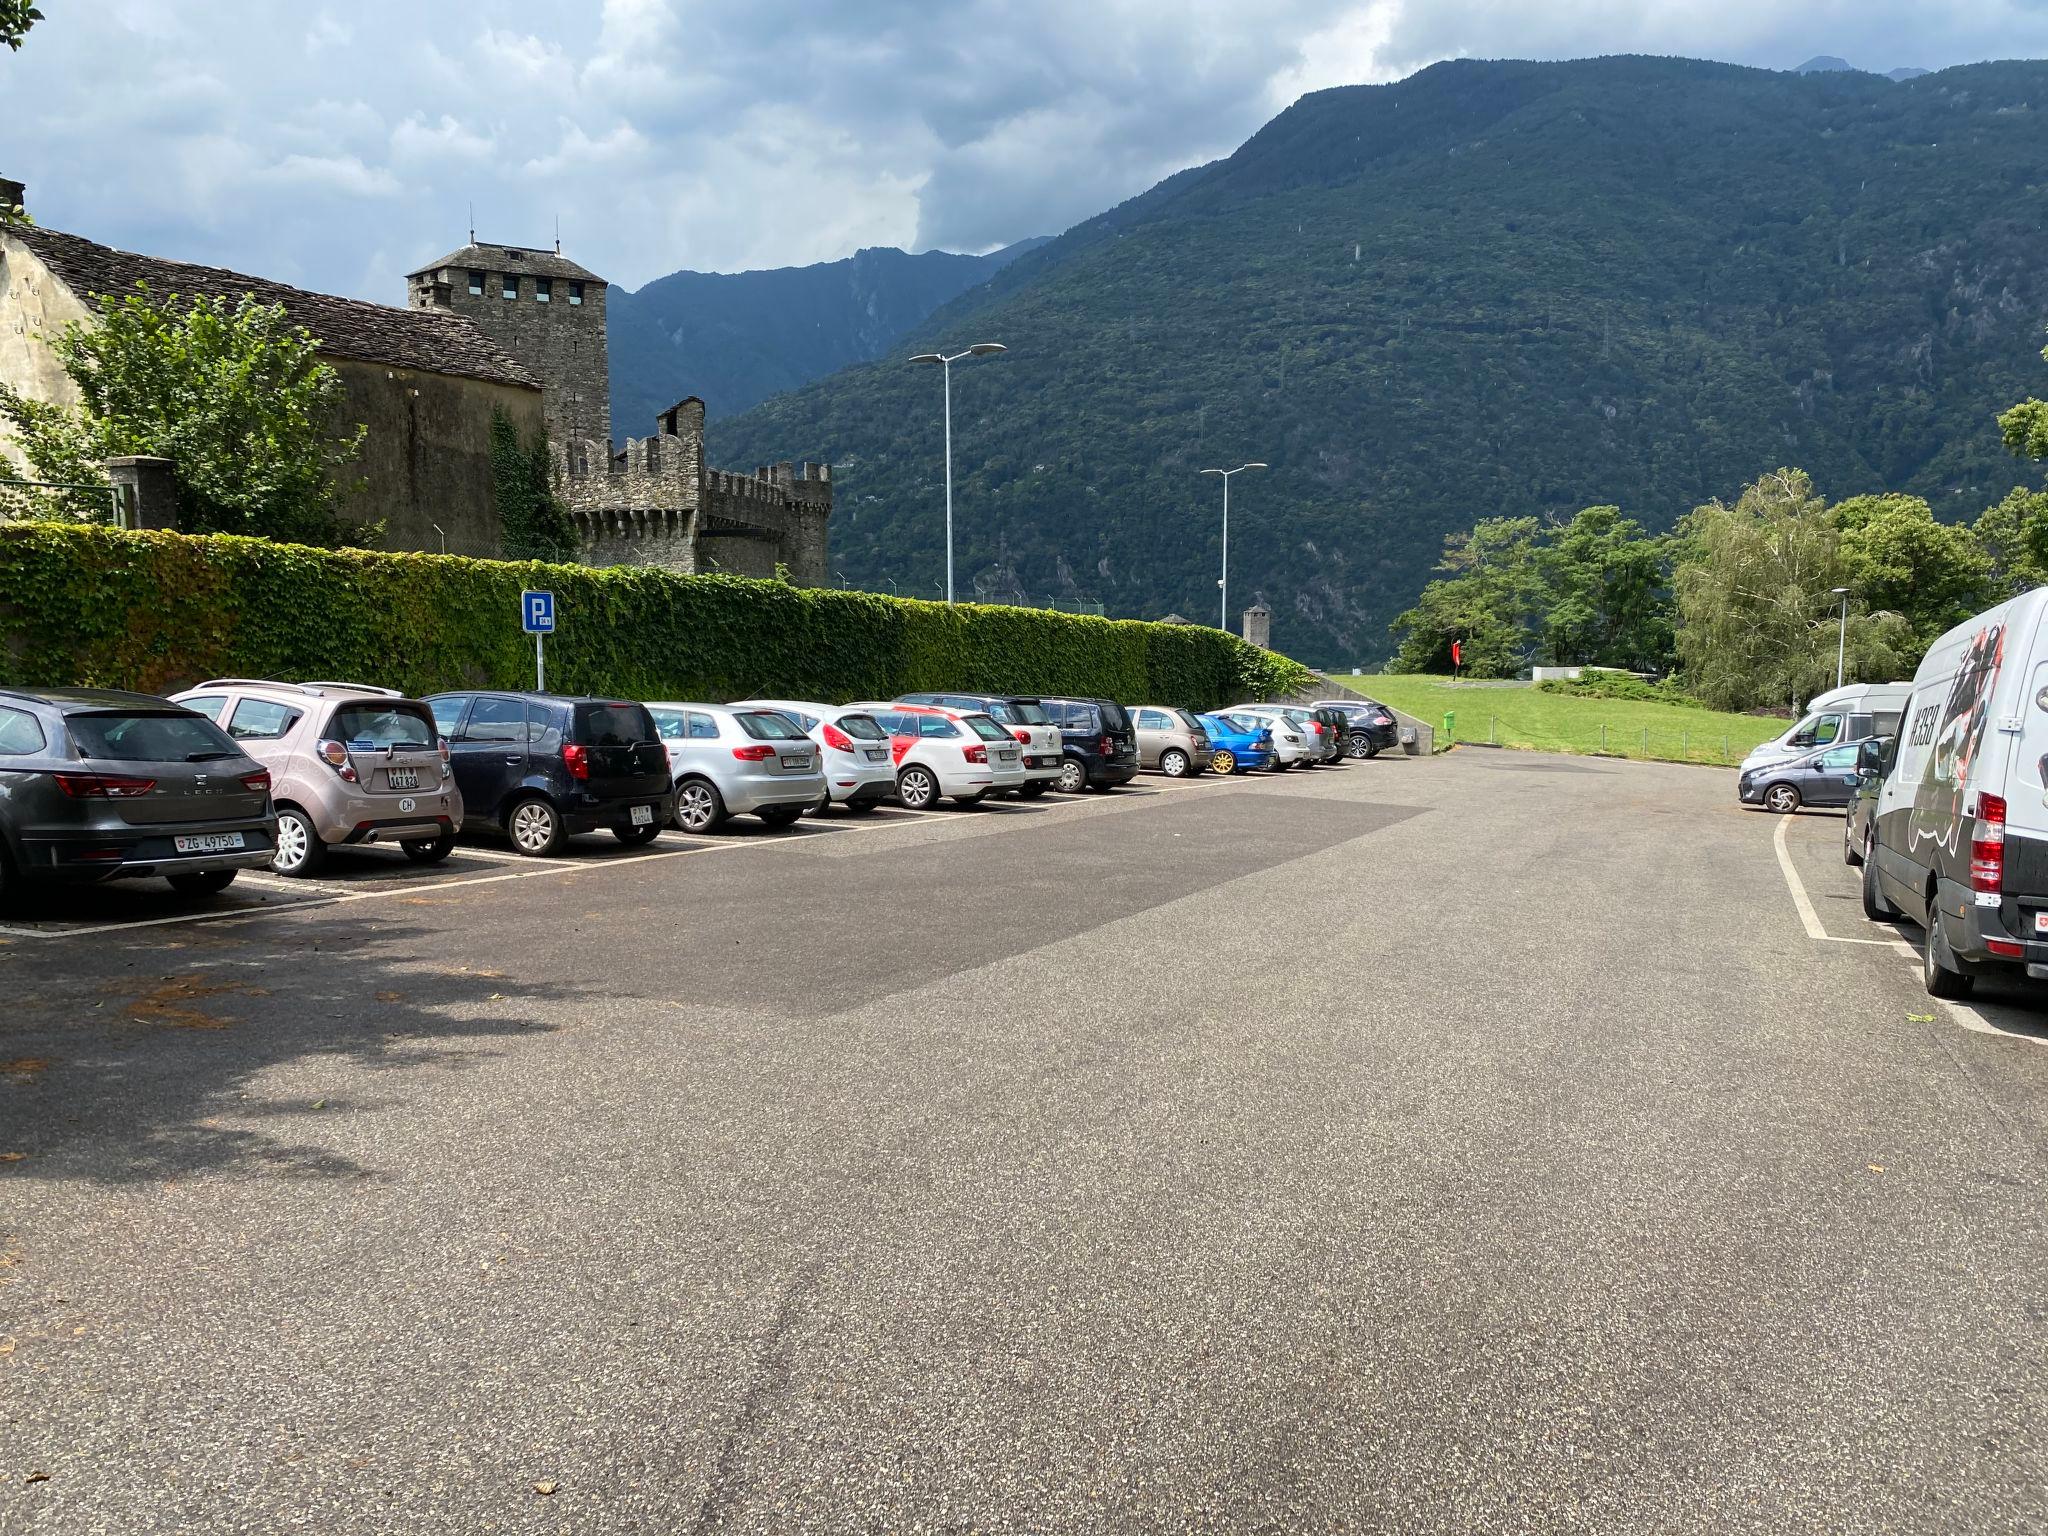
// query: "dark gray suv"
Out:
[98,785]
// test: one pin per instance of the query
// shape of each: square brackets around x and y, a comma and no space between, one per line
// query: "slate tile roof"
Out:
[431,341]
[511,258]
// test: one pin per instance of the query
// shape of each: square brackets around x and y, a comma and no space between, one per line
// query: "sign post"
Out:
[537,617]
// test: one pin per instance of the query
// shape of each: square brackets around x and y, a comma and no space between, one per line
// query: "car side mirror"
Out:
[1870,756]
[1800,739]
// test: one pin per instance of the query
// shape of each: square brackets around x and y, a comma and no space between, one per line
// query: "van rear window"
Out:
[613,725]
[1113,717]
[1026,712]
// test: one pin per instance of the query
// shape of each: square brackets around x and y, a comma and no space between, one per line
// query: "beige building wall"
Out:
[34,305]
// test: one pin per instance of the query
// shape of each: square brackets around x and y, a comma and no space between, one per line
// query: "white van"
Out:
[1841,714]
[1961,828]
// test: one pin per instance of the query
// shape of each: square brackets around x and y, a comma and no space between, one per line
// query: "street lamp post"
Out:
[979,349]
[1223,582]
[1841,634]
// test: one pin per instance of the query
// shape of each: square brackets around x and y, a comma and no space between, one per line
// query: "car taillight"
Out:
[976,753]
[837,739]
[335,756]
[102,786]
[257,783]
[576,758]
[442,743]
[1022,735]
[1987,844]
[759,754]
[1108,746]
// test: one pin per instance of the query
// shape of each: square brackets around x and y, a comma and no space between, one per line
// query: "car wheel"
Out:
[1851,854]
[299,849]
[917,788]
[430,850]
[1875,907]
[209,882]
[1782,798]
[1937,964]
[638,837]
[1035,790]
[698,806]
[534,827]
[1174,763]
[1224,760]
[780,815]
[1073,777]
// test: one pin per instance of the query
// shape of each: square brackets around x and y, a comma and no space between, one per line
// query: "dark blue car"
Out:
[1238,742]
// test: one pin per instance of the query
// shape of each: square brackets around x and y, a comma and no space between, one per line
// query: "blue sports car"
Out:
[1238,743]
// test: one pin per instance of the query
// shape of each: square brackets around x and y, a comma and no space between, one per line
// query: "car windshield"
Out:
[613,725]
[986,728]
[1113,717]
[769,725]
[382,725]
[862,727]
[134,737]
[1028,712]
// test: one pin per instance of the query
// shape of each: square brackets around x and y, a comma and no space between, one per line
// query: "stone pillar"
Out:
[145,492]
[1258,626]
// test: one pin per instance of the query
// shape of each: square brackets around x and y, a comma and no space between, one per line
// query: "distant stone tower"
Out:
[544,310]
[1258,626]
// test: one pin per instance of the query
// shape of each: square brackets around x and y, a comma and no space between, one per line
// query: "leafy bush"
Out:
[1620,685]
[82,604]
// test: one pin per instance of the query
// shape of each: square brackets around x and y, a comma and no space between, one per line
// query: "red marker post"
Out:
[1457,656]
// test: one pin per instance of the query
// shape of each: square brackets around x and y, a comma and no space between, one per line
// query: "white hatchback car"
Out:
[860,772]
[1292,745]
[734,761]
[956,754]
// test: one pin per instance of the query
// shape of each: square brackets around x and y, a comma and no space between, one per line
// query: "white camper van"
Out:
[1839,715]
[1961,830]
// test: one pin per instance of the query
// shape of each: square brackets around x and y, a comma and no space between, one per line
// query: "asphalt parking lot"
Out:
[1504,1142]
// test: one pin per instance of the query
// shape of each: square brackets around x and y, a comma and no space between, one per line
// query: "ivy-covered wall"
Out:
[161,611]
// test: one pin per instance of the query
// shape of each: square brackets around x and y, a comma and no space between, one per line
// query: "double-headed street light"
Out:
[979,349]
[1842,634]
[1223,582]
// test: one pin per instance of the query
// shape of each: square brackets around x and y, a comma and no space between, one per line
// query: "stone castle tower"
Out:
[652,500]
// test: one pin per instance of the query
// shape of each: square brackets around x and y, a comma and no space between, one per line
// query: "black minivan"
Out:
[1100,743]
[542,767]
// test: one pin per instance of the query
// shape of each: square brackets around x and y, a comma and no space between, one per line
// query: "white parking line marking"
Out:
[1807,916]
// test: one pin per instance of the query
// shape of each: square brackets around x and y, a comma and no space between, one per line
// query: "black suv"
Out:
[541,766]
[1371,728]
[1100,743]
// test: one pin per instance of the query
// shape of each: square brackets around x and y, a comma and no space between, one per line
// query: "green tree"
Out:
[536,520]
[1757,615]
[1605,598]
[233,394]
[1897,558]
[16,17]
[1486,603]
[2014,537]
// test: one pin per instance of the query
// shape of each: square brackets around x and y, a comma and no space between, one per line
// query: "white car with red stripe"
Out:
[947,754]
[860,769]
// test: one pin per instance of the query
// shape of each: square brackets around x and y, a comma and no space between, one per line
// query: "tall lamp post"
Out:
[1841,634]
[979,349]
[1223,583]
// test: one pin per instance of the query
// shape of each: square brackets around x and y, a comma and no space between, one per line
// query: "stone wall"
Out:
[34,305]
[427,457]
[559,343]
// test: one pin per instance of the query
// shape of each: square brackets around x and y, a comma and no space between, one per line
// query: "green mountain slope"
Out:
[734,339]
[1490,288]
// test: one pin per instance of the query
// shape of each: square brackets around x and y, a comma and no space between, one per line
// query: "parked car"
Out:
[1824,778]
[351,765]
[1238,746]
[1172,740]
[1024,718]
[100,785]
[1098,747]
[853,749]
[1369,726]
[956,754]
[1332,729]
[1293,743]
[544,766]
[1850,713]
[738,760]
[1962,817]
[1874,758]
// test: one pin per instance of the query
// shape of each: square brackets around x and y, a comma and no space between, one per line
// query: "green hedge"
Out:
[159,611]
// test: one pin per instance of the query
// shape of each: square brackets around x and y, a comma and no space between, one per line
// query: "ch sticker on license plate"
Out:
[405,778]
[209,842]
[643,815]
[2041,922]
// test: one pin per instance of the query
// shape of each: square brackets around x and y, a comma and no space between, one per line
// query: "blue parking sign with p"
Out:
[539,611]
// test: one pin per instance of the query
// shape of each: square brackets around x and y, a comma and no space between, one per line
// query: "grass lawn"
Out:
[1520,715]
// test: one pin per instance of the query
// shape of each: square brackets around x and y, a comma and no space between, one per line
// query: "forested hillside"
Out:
[734,339]
[1491,288]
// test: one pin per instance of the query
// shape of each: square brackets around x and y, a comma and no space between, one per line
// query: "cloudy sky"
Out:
[339,146]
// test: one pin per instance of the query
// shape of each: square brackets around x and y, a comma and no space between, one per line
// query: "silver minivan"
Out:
[732,760]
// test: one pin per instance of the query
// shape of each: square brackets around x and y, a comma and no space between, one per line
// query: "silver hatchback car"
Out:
[737,760]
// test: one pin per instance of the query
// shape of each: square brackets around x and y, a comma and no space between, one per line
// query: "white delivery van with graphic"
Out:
[1839,715]
[1961,843]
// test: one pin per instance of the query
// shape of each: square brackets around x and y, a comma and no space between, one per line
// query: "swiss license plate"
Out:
[209,842]
[403,778]
[1008,757]
[643,815]
[876,754]
[796,760]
